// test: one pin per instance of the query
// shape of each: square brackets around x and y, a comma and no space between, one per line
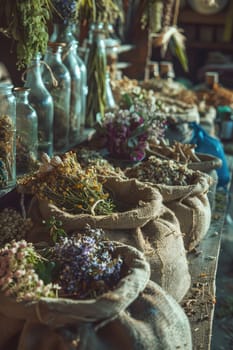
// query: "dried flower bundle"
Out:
[18,276]
[81,266]
[63,182]
[106,11]
[65,11]
[166,172]
[87,267]
[26,23]
[128,130]
[93,159]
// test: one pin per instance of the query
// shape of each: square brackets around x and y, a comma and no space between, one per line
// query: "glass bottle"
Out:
[70,62]
[96,69]
[26,133]
[64,33]
[225,118]
[112,44]
[7,138]
[83,71]
[109,102]
[41,100]
[58,82]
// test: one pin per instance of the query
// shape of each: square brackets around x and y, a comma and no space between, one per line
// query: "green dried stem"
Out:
[106,11]
[167,13]
[152,15]
[25,22]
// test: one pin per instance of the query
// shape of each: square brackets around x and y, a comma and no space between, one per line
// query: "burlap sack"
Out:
[144,223]
[136,315]
[191,206]
[208,165]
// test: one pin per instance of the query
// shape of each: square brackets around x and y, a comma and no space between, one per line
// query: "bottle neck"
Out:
[62,33]
[5,89]
[22,97]
[53,56]
[33,75]
[97,32]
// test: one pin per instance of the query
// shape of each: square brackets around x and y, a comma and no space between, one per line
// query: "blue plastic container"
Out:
[211,145]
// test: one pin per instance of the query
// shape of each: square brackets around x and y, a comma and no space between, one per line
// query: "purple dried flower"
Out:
[86,265]
[126,132]
[65,10]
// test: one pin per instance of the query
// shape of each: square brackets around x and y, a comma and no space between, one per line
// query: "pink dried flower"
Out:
[127,131]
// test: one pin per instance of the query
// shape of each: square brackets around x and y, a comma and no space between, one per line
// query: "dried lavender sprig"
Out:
[65,11]
[87,267]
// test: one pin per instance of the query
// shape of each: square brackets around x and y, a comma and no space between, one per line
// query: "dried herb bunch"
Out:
[6,150]
[166,172]
[85,264]
[81,266]
[93,159]
[127,132]
[106,11]
[63,182]
[18,276]
[13,226]
[96,68]
[183,153]
[64,11]
[152,15]
[218,96]
[26,22]
[160,18]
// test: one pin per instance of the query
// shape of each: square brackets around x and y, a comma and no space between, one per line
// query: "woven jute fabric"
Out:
[145,224]
[136,315]
[208,164]
[191,206]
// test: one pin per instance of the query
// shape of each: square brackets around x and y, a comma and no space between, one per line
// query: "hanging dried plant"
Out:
[26,22]
[106,11]
[152,16]
[161,20]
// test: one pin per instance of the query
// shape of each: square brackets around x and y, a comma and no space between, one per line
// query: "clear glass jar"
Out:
[60,90]
[83,71]
[64,33]
[96,69]
[112,44]
[26,133]
[7,138]
[69,59]
[110,102]
[41,100]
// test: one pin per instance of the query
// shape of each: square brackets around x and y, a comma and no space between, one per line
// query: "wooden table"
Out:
[199,303]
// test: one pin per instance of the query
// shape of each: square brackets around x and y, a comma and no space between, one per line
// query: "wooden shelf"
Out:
[188,16]
[210,45]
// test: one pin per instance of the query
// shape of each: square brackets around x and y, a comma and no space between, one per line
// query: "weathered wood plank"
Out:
[199,303]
